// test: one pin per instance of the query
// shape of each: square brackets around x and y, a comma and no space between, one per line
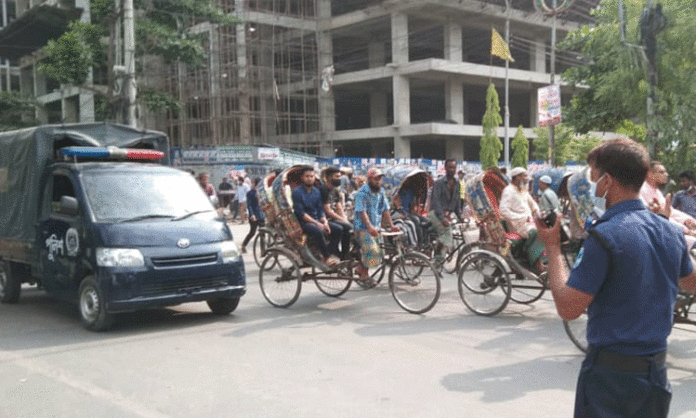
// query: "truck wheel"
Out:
[92,307]
[10,282]
[223,306]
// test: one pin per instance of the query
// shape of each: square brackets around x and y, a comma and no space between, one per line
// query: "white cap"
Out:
[545,179]
[517,171]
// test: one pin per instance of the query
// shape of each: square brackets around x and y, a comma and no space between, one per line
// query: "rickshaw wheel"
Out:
[280,278]
[262,242]
[337,284]
[527,291]
[484,285]
[577,331]
[414,283]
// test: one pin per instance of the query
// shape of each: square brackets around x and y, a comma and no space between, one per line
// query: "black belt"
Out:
[636,364]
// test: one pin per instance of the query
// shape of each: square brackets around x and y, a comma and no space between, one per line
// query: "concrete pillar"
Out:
[537,60]
[69,109]
[376,56]
[399,38]
[533,116]
[86,106]
[378,109]
[454,148]
[327,103]
[453,42]
[454,101]
[267,101]
[402,146]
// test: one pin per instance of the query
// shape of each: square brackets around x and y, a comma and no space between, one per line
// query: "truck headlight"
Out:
[119,257]
[230,252]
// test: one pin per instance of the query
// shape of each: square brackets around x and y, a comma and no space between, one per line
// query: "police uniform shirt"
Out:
[631,312]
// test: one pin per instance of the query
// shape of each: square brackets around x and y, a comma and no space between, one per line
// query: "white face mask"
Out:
[600,203]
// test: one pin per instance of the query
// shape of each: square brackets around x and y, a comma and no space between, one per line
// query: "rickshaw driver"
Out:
[445,200]
[519,210]
[306,200]
[371,208]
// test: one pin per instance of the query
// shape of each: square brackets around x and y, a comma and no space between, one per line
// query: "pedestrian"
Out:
[256,216]
[208,188]
[242,190]
[548,201]
[371,211]
[626,276]
[443,204]
[685,199]
[224,190]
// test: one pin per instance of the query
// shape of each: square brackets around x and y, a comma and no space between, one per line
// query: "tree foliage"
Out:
[613,86]
[491,146]
[14,111]
[520,149]
[570,146]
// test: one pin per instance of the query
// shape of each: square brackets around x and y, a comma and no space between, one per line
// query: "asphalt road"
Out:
[356,356]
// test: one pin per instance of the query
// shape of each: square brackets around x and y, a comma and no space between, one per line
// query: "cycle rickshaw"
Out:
[291,261]
[497,272]
[412,185]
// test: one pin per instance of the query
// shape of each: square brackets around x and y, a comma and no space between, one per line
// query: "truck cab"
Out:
[116,236]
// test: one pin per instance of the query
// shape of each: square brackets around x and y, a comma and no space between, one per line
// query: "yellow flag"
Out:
[499,48]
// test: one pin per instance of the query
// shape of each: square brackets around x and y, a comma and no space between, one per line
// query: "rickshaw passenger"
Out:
[332,199]
[371,209]
[519,210]
[548,201]
[306,200]
[445,201]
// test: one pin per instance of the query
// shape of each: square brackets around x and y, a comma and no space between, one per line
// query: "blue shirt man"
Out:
[685,199]
[626,276]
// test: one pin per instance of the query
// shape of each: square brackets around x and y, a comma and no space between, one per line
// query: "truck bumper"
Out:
[130,291]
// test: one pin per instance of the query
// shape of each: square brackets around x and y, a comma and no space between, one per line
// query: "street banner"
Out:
[268,153]
[549,105]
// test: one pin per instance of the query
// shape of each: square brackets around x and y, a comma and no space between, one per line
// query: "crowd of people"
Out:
[626,277]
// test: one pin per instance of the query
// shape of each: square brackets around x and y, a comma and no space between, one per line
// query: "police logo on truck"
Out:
[72,242]
[183,243]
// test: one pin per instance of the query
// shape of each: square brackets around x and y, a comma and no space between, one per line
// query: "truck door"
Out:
[60,232]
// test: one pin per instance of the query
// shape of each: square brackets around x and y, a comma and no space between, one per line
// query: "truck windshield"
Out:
[119,197]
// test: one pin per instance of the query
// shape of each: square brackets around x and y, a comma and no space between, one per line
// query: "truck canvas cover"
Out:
[26,154]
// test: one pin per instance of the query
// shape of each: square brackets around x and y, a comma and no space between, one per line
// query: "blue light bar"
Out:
[113,153]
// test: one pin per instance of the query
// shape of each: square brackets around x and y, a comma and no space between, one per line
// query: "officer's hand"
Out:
[551,237]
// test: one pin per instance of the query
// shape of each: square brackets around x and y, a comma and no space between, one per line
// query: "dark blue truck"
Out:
[109,227]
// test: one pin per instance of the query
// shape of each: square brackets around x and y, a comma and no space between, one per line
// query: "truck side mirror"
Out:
[68,206]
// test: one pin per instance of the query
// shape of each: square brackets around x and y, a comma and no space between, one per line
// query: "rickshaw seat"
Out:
[513,236]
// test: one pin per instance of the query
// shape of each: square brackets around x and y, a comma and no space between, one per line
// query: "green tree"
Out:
[613,88]
[520,149]
[162,30]
[15,111]
[491,146]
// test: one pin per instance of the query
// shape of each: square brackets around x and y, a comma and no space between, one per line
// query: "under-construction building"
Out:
[401,78]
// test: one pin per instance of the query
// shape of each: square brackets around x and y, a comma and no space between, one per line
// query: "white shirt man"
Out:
[516,204]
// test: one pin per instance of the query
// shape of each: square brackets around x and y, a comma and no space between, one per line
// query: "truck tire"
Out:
[10,282]
[223,306]
[92,307]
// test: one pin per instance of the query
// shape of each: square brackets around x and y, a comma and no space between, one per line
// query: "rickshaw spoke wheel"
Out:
[337,284]
[527,291]
[484,285]
[414,283]
[262,242]
[280,278]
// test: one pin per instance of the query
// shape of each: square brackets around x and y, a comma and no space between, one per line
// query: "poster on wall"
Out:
[549,105]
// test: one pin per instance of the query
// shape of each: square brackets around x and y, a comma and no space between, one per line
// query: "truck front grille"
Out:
[183,285]
[192,260]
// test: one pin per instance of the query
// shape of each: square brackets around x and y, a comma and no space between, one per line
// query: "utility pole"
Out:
[129,61]
[507,87]
[552,127]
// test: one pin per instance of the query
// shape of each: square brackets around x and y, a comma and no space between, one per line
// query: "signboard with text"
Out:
[549,105]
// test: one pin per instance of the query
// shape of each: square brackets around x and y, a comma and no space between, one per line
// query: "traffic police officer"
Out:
[626,276]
